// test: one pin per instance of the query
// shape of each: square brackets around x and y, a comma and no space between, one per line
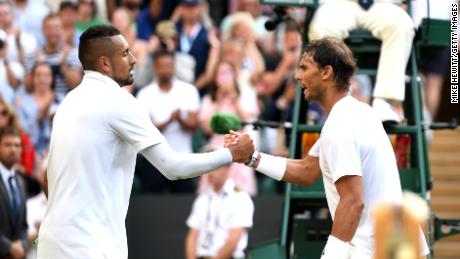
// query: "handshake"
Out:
[240,145]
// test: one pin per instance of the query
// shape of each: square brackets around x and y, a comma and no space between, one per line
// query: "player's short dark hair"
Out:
[330,51]
[9,131]
[95,42]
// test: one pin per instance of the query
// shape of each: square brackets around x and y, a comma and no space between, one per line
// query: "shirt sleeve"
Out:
[131,121]
[314,150]
[193,220]
[341,153]
[18,70]
[244,212]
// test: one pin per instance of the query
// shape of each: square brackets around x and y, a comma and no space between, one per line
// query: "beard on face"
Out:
[164,79]
[128,80]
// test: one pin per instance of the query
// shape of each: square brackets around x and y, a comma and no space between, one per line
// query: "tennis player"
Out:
[97,131]
[354,154]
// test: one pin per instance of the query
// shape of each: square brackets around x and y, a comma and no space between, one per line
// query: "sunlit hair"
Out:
[330,51]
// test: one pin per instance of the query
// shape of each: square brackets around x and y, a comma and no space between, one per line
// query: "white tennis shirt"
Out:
[97,131]
[354,142]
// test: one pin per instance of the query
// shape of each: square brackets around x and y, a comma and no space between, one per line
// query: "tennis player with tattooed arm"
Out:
[97,131]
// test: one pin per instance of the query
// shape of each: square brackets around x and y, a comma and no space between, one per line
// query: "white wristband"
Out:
[272,166]
[337,249]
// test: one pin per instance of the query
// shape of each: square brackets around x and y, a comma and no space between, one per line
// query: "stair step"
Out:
[446,250]
[445,158]
[445,203]
[446,188]
[445,173]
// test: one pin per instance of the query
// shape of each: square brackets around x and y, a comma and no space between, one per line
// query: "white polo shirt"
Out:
[214,214]
[354,142]
[97,130]
[161,104]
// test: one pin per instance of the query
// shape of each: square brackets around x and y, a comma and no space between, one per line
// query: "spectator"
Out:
[251,7]
[224,97]
[122,21]
[149,17]
[220,219]
[29,16]
[68,15]
[13,225]
[396,31]
[165,38]
[11,72]
[173,106]
[133,7]
[9,119]
[63,59]
[241,29]
[36,107]
[193,35]
[87,12]
[19,42]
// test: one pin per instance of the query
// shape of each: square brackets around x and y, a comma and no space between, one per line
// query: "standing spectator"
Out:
[68,14]
[173,106]
[193,36]
[29,15]
[36,107]
[20,43]
[63,58]
[220,219]
[11,72]
[13,225]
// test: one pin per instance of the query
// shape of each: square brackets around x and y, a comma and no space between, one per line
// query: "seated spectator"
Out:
[87,12]
[224,97]
[220,219]
[67,70]
[11,72]
[396,31]
[68,15]
[13,225]
[9,119]
[20,43]
[37,106]
[173,106]
[165,39]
